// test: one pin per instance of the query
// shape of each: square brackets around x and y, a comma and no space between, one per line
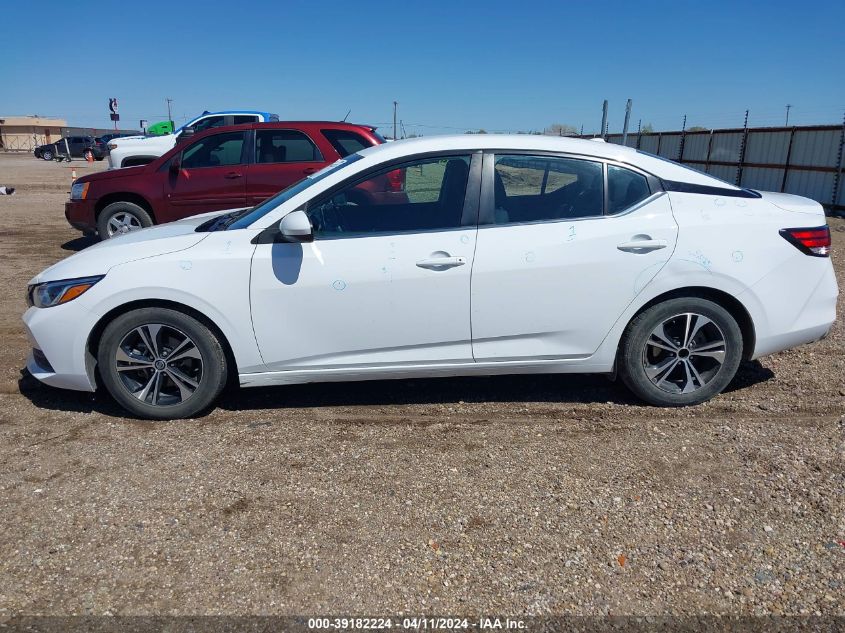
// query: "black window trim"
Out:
[708,190]
[469,213]
[254,147]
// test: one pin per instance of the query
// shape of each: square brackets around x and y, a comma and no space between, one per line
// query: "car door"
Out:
[560,254]
[386,281]
[282,157]
[211,177]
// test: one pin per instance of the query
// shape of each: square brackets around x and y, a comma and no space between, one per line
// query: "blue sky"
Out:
[452,66]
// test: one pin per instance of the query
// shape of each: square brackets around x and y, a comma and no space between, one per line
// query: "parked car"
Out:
[79,147]
[221,168]
[133,151]
[508,254]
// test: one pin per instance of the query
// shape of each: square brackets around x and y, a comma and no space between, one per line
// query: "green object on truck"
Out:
[160,128]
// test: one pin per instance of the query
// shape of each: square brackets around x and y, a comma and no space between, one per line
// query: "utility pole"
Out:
[169,116]
[604,119]
[395,104]
[627,120]
[788,106]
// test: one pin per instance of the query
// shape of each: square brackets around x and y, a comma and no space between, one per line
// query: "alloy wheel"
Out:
[159,364]
[123,222]
[684,353]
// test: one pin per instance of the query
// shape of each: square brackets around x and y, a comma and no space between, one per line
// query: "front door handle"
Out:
[309,170]
[642,246]
[233,174]
[441,263]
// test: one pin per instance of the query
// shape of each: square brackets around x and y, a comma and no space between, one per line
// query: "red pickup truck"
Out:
[222,168]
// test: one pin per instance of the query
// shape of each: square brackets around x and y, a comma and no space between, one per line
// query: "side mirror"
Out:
[185,134]
[296,227]
[176,164]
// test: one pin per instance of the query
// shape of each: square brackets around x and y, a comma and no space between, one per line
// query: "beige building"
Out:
[25,133]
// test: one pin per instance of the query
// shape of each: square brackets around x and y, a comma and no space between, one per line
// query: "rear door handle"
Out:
[233,174]
[441,263]
[642,246]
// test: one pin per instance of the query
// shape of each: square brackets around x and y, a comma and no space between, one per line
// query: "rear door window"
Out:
[346,142]
[285,146]
[546,188]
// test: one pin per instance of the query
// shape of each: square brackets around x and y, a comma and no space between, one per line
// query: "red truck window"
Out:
[284,146]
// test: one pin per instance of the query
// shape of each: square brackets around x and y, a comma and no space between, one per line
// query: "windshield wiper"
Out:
[222,222]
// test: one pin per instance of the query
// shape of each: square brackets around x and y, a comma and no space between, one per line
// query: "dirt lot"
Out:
[526,495]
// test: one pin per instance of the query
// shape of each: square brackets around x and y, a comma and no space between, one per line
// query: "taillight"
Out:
[810,241]
[396,180]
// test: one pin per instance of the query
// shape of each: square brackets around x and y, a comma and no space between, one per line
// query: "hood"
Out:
[125,141]
[111,174]
[150,242]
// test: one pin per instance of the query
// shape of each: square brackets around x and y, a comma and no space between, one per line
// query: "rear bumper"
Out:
[80,215]
[800,312]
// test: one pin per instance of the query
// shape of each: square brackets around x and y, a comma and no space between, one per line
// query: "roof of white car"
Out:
[660,167]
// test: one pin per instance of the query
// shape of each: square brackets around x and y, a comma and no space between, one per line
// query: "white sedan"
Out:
[445,256]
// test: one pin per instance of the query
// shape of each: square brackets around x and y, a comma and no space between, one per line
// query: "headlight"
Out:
[53,293]
[79,190]
[112,145]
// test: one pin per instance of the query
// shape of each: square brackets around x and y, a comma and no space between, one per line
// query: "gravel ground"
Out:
[520,495]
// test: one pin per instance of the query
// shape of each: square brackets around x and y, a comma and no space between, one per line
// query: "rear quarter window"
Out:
[346,142]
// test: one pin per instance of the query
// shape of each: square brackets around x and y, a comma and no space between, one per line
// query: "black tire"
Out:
[47,154]
[211,378]
[707,379]
[140,218]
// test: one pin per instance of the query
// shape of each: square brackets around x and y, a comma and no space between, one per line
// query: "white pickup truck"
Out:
[131,151]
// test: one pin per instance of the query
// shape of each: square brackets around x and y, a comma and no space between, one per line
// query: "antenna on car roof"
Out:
[348,112]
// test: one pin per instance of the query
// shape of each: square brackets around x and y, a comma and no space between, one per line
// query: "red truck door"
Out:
[282,157]
[212,176]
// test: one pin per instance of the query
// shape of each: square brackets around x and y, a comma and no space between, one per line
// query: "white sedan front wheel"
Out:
[159,364]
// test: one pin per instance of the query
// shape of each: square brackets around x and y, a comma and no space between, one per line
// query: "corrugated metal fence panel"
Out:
[614,138]
[724,172]
[768,148]
[817,148]
[762,179]
[841,200]
[725,147]
[669,146]
[632,140]
[695,146]
[817,185]
[648,143]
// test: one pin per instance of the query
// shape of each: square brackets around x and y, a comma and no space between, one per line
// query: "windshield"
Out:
[286,194]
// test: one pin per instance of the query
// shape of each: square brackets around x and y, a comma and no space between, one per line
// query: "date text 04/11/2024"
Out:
[416,623]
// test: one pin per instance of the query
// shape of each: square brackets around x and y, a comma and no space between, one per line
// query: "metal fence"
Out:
[807,161]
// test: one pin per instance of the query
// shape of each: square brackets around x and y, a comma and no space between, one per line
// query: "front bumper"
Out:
[80,215]
[59,356]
